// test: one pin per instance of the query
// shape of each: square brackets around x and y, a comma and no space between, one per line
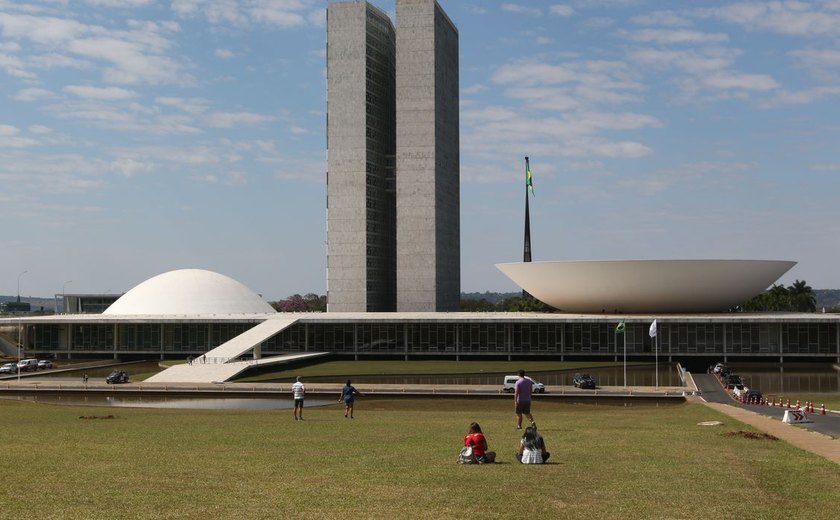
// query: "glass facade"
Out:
[437,337]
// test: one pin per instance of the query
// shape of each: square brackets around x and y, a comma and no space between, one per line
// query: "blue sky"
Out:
[140,136]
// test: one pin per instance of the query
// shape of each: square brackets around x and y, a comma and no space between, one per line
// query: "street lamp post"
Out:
[19,324]
[18,291]
[63,310]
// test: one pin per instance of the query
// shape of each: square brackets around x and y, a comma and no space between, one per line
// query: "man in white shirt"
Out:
[298,391]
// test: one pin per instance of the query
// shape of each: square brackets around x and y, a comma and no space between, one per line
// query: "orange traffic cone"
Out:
[797,404]
[788,403]
[822,409]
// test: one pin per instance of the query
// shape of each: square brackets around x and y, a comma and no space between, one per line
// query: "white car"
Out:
[45,363]
[9,368]
[510,383]
[25,365]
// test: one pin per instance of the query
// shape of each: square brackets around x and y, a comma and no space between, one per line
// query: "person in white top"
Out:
[298,392]
[532,447]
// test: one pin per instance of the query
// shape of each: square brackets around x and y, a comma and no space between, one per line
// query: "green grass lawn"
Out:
[396,459]
[357,368]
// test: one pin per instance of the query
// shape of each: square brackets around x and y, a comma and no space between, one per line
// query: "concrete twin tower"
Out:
[393,160]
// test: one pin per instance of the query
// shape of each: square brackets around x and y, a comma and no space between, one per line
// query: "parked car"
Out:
[26,365]
[45,363]
[510,383]
[117,377]
[583,381]
[752,395]
[9,368]
[739,390]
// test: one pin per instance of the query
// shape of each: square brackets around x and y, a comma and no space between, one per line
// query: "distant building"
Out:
[86,303]
[393,235]
[16,307]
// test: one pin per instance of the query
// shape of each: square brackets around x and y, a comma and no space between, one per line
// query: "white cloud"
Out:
[123,4]
[726,81]
[14,66]
[9,138]
[663,18]
[224,54]
[278,13]
[135,55]
[101,93]
[231,119]
[33,94]
[130,167]
[39,129]
[188,105]
[675,36]
[473,89]
[786,17]
[828,167]
[562,10]
[801,97]
[521,9]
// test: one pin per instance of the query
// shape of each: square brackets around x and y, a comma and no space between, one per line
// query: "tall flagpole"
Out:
[527,252]
[656,341]
[526,256]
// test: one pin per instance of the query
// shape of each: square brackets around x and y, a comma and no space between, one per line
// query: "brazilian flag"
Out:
[529,181]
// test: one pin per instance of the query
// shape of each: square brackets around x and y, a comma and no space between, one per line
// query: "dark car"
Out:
[116,377]
[583,381]
[753,396]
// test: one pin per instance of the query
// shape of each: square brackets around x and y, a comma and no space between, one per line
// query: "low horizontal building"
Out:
[187,326]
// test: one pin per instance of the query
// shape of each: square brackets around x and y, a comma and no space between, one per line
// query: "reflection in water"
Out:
[644,375]
[128,401]
[798,378]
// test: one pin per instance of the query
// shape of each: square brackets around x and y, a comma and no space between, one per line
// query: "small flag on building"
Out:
[653,329]
[620,327]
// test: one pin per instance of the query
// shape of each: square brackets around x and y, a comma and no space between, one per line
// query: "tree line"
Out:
[797,297]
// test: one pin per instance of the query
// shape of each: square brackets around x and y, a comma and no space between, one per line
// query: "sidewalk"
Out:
[807,440]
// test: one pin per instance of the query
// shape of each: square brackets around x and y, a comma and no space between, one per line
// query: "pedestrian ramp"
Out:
[225,361]
[221,372]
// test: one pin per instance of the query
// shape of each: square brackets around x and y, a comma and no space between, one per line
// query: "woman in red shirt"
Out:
[478,442]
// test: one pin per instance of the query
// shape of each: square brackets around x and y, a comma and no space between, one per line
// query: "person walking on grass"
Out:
[348,394]
[298,392]
[522,399]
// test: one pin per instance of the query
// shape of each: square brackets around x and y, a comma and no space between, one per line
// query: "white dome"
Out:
[189,291]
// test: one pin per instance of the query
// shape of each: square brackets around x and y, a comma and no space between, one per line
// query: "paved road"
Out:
[713,392]
[711,389]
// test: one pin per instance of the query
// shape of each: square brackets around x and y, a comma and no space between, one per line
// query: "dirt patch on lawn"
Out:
[759,436]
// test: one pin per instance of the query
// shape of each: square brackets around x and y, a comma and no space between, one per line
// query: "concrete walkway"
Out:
[807,440]
[198,372]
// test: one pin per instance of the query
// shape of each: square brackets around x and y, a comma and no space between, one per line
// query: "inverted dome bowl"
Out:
[645,286]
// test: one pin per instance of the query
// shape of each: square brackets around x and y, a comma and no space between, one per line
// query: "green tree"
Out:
[802,297]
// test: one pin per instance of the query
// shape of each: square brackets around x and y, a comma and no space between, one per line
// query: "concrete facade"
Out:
[361,251]
[428,159]
[393,189]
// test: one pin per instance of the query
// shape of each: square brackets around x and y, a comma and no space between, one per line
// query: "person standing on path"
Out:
[298,392]
[348,394]
[522,399]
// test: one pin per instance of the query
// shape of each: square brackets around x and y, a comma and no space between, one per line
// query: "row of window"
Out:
[770,338]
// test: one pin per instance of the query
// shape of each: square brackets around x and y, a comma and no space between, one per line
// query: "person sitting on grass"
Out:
[532,447]
[475,438]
